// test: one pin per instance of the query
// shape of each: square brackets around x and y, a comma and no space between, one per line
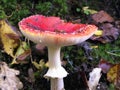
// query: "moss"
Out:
[54,7]
[108,51]
[15,10]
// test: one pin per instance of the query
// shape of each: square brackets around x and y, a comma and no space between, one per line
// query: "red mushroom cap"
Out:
[54,31]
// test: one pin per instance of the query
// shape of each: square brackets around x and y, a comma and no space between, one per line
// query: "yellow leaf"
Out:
[99,33]
[41,65]
[36,64]
[9,38]
[114,75]
[89,11]
[94,47]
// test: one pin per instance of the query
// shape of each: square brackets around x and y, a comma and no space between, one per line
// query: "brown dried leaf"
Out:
[109,34]
[24,55]
[114,75]
[110,30]
[105,65]
[101,17]
[8,79]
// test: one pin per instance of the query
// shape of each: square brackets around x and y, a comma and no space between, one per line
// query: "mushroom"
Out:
[55,33]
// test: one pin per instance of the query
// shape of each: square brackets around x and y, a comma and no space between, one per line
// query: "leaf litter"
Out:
[107,28]
[8,78]
[112,72]
[108,32]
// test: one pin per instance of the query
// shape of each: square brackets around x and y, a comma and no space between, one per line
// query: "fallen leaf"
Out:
[105,65]
[9,38]
[41,65]
[110,30]
[94,78]
[36,64]
[102,17]
[94,46]
[109,33]
[88,11]
[113,76]
[8,78]
[23,51]
[98,33]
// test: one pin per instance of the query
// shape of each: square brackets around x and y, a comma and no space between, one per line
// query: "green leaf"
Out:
[23,51]
[88,11]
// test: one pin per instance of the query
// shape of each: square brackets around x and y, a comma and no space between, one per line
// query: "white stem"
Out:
[57,84]
[55,72]
[54,57]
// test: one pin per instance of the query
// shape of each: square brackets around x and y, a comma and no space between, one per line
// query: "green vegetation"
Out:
[15,10]
[54,7]
[108,51]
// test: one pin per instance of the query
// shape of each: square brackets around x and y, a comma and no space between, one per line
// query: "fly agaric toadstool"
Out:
[55,33]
